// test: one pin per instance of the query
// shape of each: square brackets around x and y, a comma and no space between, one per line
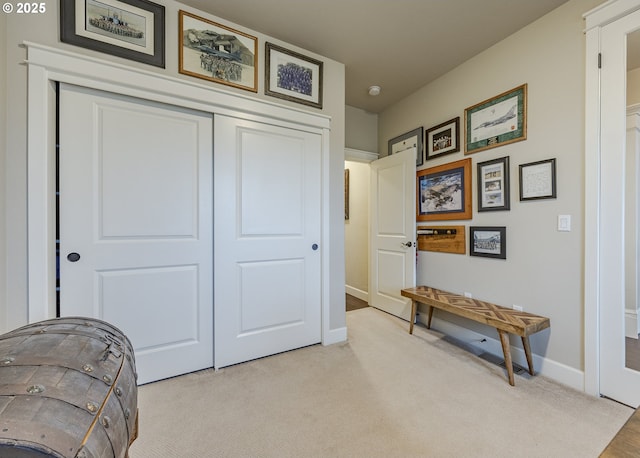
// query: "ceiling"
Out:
[399,45]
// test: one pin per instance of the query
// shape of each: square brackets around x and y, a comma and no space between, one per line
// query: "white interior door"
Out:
[136,208]
[268,232]
[616,380]
[393,232]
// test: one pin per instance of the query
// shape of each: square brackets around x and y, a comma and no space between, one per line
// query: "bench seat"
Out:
[505,320]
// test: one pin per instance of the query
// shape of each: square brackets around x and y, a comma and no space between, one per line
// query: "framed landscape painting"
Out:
[444,192]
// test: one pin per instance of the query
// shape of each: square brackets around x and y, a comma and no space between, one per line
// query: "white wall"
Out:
[543,271]
[43,29]
[356,230]
[3,143]
[361,129]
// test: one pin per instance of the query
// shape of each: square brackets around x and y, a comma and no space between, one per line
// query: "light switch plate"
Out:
[564,223]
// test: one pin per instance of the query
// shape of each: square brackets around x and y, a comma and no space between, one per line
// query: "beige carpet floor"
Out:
[383,393]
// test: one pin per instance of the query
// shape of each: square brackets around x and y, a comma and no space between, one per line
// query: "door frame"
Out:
[47,66]
[593,278]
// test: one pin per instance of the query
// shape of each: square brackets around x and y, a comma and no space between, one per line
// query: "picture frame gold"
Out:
[217,53]
[497,121]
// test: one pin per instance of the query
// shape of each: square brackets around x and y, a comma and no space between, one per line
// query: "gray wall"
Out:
[43,29]
[543,271]
[361,129]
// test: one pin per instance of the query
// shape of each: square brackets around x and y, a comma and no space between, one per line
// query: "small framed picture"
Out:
[292,76]
[410,140]
[133,29]
[488,242]
[538,180]
[497,121]
[493,185]
[217,53]
[444,192]
[443,139]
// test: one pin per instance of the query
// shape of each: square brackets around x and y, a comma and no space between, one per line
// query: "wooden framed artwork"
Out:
[410,140]
[133,29]
[442,239]
[217,53]
[538,180]
[497,121]
[444,192]
[493,185]
[292,76]
[443,139]
[488,242]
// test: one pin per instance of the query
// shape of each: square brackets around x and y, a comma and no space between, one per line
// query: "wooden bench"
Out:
[505,320]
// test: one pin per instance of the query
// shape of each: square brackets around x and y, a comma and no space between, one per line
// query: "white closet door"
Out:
[268,232]
[136,225]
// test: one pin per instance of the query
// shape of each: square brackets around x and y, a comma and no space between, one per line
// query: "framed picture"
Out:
[497,121]
[493,185]
[133,29]
[538,180]
[410,140]
[443,139]
[217,53]
[488,242]
[444,192]
[346,194]
[292,76]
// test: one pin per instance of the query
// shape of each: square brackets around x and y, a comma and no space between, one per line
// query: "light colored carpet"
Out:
[383,393]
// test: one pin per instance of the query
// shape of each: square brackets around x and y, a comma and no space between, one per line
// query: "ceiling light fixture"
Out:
[374,90]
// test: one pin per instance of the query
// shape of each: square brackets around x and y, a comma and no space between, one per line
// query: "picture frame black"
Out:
[497,121]
[292,76]
[493,185]
[199,56]
[538,180]
[443,139]
[131,29]
[488,241]
[409,140]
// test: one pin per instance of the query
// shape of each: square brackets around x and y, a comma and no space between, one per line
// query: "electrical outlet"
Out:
[517,307]
[469,295]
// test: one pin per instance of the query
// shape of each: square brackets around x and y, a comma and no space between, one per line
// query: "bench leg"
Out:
[504,340]
[414,309]
[429,317]
[527,352]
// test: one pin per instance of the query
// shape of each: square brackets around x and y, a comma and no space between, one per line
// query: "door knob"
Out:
[408,244]
[73,257]
[314,247]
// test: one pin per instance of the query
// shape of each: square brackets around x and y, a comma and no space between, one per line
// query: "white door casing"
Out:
[393,232]
[136,205]
[616,381]
[267,253]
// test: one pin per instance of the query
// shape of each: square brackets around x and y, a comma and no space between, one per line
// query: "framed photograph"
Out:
[538,180]
[493,185]
[217,53]
[292,76]
[488,242]
[443,139]
[497,121]
[133,29]
[444,192]
[346,194]
[411,140]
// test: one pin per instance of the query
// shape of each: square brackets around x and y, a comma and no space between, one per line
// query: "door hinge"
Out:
[599,60]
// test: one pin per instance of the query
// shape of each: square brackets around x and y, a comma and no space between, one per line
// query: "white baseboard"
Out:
[360,294]
[559,372]
[333,336]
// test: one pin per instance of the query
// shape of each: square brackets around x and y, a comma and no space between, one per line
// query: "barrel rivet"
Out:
[35,389]
[106,421]
[107,379]
[92,407]
[7,360]
[87,367]
[118,391]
